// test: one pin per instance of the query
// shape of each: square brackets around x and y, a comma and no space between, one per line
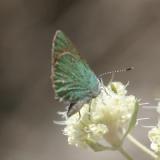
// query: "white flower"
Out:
[154,135]
[109,116]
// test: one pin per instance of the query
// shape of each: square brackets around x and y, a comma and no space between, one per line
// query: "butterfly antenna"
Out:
[116,71]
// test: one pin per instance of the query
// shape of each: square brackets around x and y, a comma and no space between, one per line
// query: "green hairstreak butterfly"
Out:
[72,79]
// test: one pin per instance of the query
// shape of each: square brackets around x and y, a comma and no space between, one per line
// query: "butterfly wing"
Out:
[72,78]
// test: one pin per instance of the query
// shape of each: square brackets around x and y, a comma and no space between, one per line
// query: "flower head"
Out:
[154,135]
[107,118]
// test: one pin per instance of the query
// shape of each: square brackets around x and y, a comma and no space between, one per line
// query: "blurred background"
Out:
[110,34]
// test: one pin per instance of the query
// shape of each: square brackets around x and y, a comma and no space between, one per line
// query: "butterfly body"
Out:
[72,79]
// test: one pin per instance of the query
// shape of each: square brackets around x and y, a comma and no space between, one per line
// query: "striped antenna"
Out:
[116,71]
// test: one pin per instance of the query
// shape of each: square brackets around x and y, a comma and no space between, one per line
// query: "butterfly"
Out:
[72,79]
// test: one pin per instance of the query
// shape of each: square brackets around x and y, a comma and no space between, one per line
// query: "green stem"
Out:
[125,154]
[142,147]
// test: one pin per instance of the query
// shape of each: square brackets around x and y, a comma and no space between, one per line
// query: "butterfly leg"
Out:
[79,115]
[89,109]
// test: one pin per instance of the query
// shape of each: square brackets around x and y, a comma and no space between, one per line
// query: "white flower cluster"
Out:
[109,116]
[154,135]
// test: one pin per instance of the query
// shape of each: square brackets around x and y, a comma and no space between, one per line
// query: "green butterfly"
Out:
[72,79]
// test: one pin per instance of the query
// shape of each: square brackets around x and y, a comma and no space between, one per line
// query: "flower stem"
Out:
[142,147]
[125,154]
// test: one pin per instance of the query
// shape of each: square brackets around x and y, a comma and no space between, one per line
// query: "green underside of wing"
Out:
[62,44]
[73,79]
